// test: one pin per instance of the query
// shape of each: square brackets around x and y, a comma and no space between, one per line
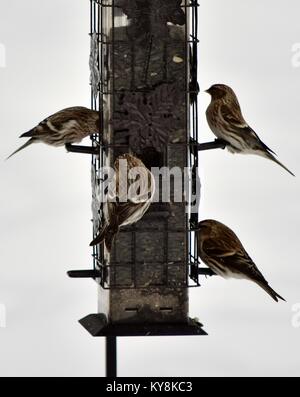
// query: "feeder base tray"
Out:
[96,325]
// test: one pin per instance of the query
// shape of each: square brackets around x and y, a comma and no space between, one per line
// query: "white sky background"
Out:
[46,199]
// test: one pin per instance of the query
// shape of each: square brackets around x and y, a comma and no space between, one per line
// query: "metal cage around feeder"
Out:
[144,84]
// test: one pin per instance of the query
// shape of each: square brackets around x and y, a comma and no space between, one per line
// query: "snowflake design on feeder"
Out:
[151,16]
[149,118]
[96,200]
[94,65]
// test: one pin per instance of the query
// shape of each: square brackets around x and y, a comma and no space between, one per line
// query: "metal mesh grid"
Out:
[108,93]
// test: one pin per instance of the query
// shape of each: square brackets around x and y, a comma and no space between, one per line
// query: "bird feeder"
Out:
[144,83]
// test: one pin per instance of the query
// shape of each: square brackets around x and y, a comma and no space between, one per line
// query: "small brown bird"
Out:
[67,126]
[130,194]
[221,250]
[224,116]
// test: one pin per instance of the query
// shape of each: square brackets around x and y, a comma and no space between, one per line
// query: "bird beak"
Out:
[207,91]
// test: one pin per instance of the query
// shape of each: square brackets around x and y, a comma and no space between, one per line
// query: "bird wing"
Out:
[65,115]
[218,248]
[233,115]
[229,253]
[144,184]
[57,121]
[235,119]
[122,212]
[60,119]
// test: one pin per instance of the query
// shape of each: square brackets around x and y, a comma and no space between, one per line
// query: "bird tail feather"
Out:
[28,134]
[109,238]
[107,234]
[270,291]
[100,237]
[29,142]
[273,158]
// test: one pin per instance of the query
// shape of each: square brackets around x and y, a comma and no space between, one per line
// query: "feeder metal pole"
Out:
[111,356]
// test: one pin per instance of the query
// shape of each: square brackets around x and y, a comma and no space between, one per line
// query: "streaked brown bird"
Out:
[67,126]
[130,194]
[225,119]
[221,250]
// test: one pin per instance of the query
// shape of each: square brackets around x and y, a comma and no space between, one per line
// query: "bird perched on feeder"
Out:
[221,250]
[226,121]
[130,194]
[65,127]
